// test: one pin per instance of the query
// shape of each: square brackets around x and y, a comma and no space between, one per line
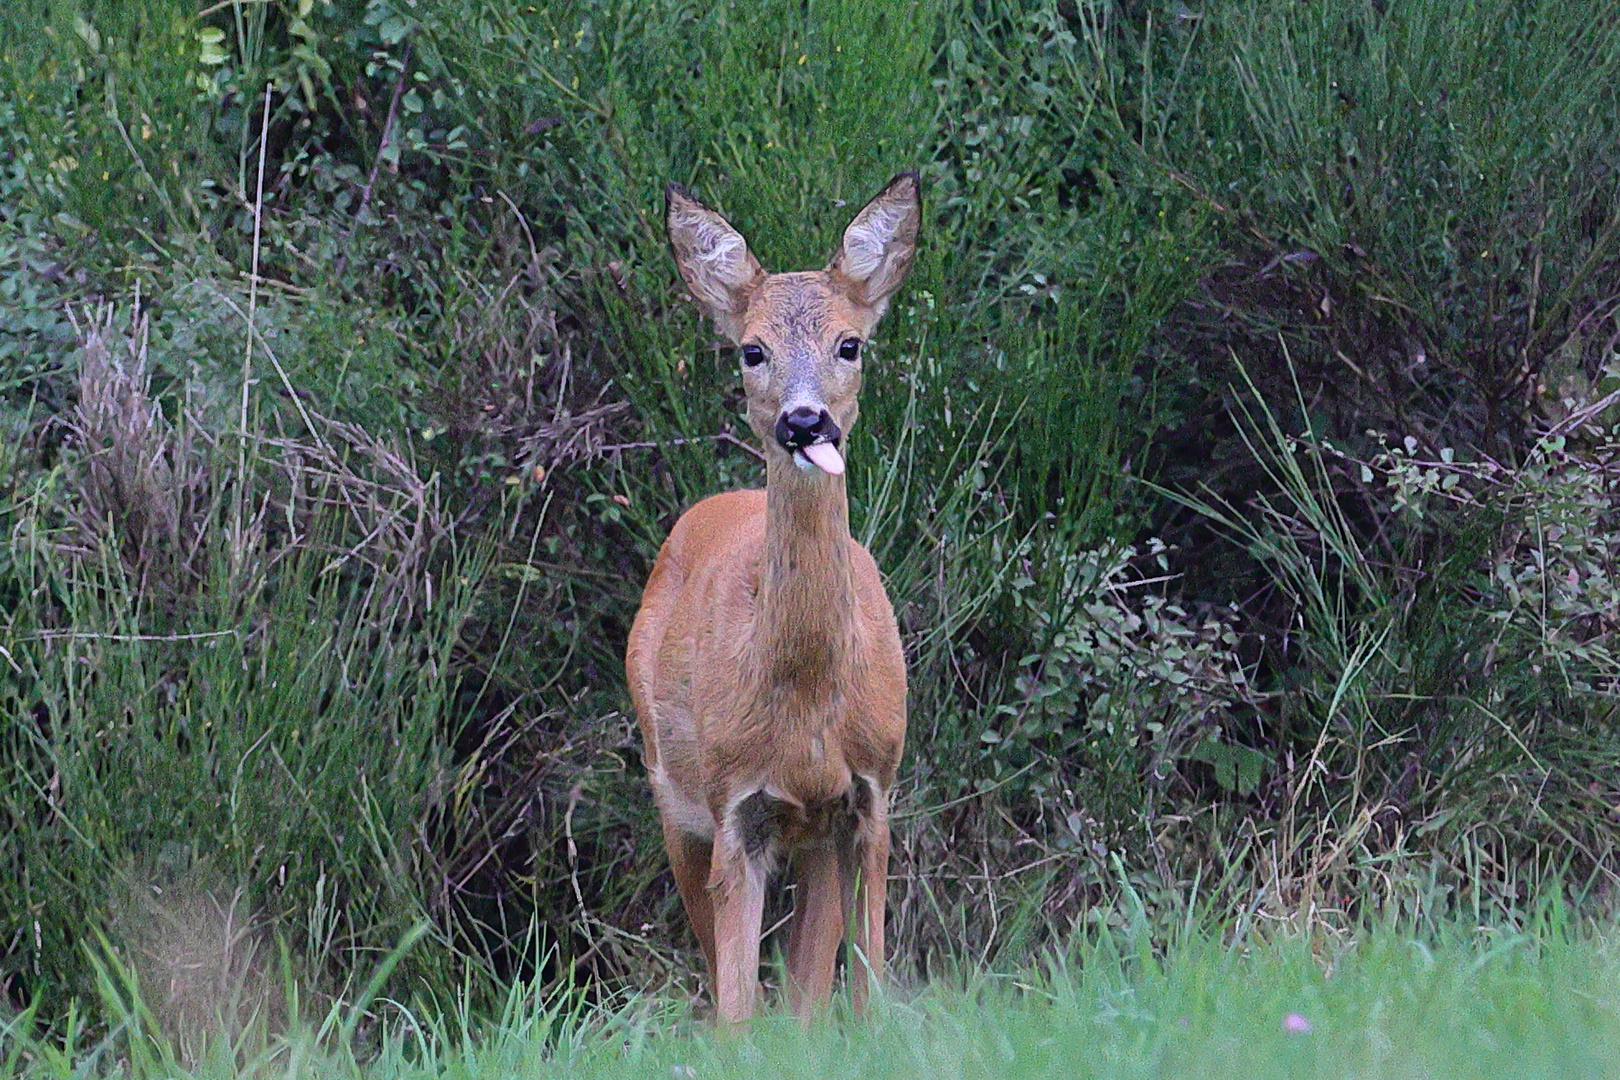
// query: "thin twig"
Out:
[223,4]
[724,436]
[85,635]
[277,283]
[253,307]
[253,333]
[158,189]
[387,139]
[1583,415]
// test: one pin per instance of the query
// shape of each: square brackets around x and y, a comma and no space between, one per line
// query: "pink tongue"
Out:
[824,456]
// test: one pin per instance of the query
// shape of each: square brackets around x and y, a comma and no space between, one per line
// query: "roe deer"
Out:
[765,662]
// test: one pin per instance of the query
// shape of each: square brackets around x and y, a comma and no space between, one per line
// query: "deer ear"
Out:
[879,243]
[713,258]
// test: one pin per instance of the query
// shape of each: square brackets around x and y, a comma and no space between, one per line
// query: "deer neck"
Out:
[807,594]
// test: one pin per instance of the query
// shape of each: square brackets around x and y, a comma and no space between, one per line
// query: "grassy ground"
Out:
[1384,1007]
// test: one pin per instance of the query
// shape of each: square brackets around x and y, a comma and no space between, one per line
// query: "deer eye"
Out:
[849,349]
[753,355]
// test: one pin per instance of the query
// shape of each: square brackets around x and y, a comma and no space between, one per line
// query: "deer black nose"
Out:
[805,426]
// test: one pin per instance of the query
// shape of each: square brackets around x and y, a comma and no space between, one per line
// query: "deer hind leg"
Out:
[736,887]
[871,896]
[690,858]
[820,907]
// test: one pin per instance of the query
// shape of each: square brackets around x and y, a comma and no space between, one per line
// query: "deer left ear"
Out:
[878,245]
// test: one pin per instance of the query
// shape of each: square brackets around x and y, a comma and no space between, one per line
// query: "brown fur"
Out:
[765,662]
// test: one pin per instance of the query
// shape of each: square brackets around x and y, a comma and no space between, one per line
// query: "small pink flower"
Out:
[1295,1024]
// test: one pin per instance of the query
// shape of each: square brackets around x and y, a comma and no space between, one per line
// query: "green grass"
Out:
[1383,1006]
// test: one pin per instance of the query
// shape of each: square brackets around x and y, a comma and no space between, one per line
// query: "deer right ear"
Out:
[713,258]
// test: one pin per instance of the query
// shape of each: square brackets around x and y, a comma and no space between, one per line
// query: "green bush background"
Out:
[1240,457]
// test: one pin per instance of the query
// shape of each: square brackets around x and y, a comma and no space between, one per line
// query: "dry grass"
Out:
[141,490]
[148,493]
[202,960]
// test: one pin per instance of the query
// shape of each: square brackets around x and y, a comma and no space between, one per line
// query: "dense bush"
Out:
[1240,456]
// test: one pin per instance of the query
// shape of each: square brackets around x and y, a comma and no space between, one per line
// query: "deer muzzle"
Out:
[811,436]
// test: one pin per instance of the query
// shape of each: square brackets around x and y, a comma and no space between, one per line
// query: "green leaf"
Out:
[87,33]
[393,29]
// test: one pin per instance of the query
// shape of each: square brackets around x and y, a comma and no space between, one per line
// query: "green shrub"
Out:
[230,695]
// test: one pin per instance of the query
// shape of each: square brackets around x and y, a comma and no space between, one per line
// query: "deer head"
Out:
[801,334]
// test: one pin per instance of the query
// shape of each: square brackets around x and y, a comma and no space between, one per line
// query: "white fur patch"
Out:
[724,255]
[690,815]
[868,238]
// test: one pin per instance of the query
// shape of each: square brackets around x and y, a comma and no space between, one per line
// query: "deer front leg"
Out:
[737,895]
[871,898]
